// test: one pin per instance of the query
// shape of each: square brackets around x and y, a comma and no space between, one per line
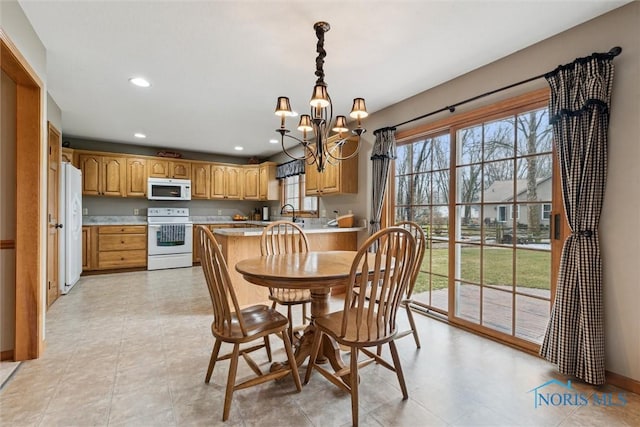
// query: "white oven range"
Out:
[170,238]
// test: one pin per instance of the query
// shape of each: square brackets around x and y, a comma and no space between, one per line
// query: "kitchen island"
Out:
[242,243]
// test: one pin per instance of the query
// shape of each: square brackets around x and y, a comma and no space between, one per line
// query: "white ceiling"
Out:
[217,67]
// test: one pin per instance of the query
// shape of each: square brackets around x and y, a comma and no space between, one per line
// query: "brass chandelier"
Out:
[317,123]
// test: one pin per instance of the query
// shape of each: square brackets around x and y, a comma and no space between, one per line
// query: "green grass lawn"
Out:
[532,268]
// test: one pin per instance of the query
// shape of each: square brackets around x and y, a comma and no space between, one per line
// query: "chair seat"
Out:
[290,296]
[258,320]
[366,336]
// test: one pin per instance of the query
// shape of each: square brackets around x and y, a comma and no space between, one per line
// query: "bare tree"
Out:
[536,134]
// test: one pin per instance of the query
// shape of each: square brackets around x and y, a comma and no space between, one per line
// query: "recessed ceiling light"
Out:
[238,148]
[139,135]
[139,81]
[273,141]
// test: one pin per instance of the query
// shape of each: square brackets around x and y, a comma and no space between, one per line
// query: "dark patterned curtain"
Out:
[579,113]
[294,167]
[384,150]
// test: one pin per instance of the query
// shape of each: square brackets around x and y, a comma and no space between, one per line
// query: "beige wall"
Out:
[7,211]
[620,230]
[54,114]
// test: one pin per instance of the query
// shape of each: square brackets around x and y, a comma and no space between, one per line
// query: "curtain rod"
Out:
[615,51]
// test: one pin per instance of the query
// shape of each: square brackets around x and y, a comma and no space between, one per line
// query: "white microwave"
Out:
[168,189]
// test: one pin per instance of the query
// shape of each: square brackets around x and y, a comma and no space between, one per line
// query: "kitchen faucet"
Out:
[293,211]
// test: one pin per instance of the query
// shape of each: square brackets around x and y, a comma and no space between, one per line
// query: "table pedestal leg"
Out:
[329,349]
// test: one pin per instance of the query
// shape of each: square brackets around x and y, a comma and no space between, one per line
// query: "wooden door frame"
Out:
[54,143]
[29,327]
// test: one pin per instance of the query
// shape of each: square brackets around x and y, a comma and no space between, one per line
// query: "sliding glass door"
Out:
[482,190]
[502,248]
[422,187]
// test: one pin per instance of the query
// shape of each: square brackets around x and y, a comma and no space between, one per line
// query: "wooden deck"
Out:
[531,313]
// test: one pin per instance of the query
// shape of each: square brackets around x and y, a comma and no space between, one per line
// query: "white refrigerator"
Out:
[70,237]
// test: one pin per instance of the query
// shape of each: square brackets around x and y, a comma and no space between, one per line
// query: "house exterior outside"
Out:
[506,207]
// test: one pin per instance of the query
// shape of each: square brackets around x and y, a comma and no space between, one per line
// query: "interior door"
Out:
[53,180]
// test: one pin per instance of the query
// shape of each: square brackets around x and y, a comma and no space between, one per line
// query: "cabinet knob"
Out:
[122,241]
[121,258]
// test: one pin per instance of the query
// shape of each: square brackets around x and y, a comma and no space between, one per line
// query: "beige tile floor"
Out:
[131,349]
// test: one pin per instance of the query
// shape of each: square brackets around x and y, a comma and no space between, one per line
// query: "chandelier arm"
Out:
[308,153]
[339,144]
[329,109]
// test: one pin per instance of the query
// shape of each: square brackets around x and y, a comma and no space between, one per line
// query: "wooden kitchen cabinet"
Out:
[136,177]
[89,248]
[268,182]
[200,180]
[122,246]
[251,174]
[226,182]
[339,178]
[162,168]
[102,175]
[196,241]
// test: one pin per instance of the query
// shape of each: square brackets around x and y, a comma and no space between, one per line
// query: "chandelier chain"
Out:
[321,54]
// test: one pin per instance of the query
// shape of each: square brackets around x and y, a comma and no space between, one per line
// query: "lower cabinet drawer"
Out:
[122,259]
[122,242]
[117,229]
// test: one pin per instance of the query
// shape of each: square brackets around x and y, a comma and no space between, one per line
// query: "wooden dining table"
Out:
[316,271]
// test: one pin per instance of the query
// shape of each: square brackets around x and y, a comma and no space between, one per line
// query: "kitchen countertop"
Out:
[248,231]
[114,220]
[307,229]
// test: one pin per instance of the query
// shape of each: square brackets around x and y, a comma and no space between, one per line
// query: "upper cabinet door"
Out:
[113,182]
[218,182]
[90,167]
[268,182]
[251,182]
[331,179]
[136,177]
[158,168]
[200,180]
[180,169]
[234,182]
[226,182]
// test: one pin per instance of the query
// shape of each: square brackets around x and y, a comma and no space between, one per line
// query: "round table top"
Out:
[299,269]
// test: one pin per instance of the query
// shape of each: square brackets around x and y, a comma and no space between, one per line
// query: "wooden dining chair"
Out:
[419,235]
[285,237]
[369,322]
[421,243]
[239,326]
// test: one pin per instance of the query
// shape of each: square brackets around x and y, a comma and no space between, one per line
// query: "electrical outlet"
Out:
[136,211]
[323,213]
[85,211]
[219,211]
